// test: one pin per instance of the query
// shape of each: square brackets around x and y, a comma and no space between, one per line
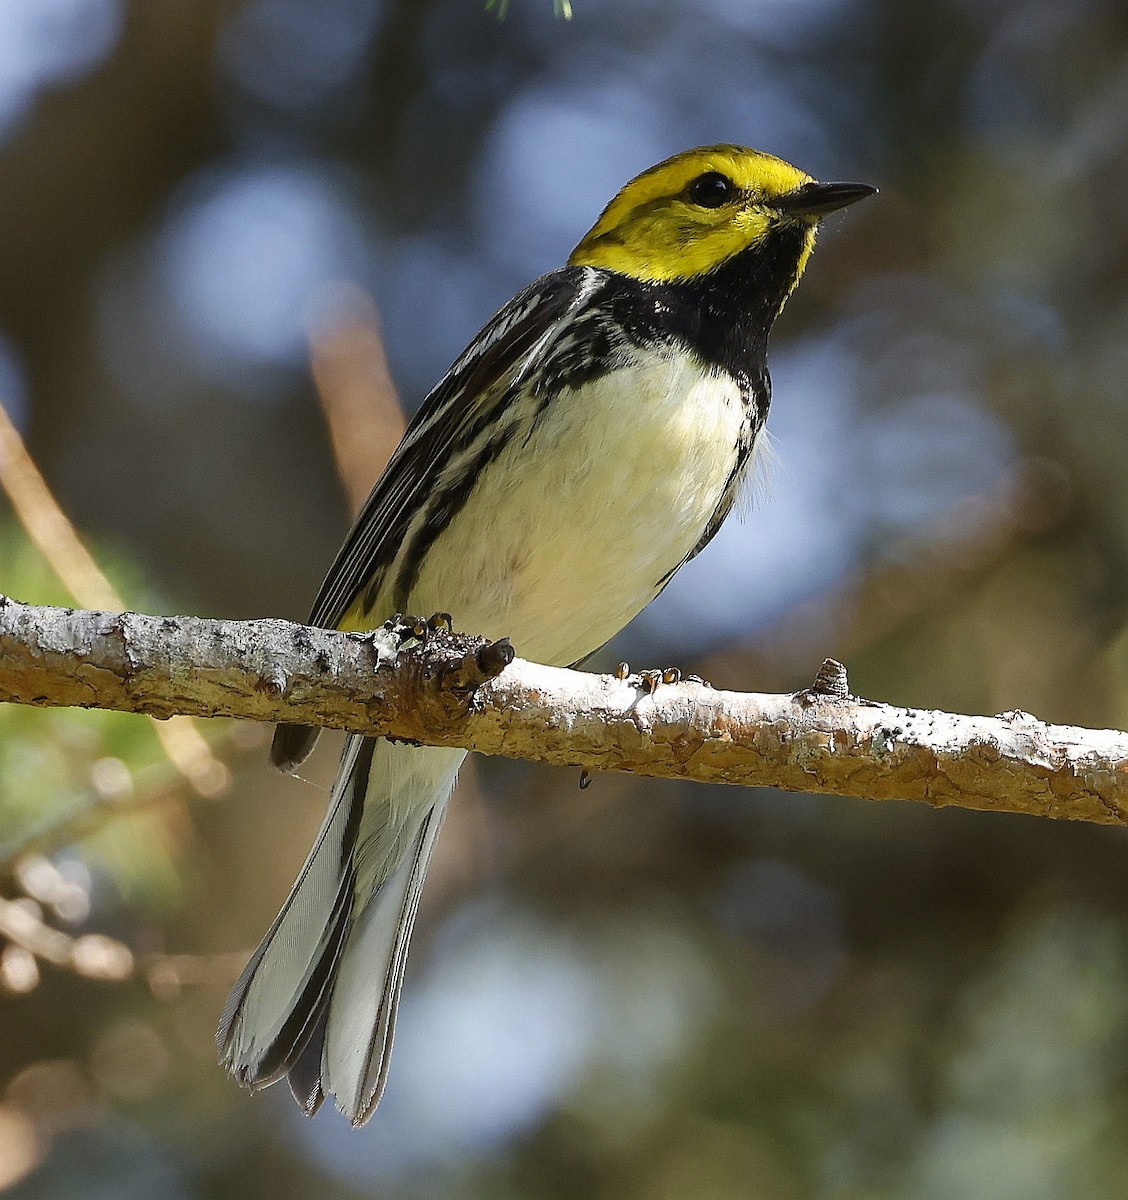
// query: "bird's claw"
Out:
[651,680]
[419,627]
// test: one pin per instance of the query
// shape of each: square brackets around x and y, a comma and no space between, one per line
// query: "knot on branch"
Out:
[442,670]
[830,683]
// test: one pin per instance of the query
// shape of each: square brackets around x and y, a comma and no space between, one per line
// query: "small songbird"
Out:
[588,443]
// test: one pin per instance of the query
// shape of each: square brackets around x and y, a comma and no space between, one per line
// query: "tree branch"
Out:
[455,690]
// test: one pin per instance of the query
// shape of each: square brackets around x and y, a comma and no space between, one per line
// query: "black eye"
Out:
[712,189]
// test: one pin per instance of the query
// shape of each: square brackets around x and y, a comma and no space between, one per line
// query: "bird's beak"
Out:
[818,199]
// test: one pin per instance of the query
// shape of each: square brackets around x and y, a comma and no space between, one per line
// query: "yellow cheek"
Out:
[671,245]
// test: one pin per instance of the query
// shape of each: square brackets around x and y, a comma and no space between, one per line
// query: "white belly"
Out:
[628,470]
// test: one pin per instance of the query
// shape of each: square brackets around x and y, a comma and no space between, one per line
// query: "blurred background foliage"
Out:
[640,990]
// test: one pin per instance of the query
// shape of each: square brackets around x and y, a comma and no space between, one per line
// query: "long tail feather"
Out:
[318,999]
[362,1018]
[271,1010]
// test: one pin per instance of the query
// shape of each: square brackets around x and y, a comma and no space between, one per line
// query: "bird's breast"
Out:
[572,529]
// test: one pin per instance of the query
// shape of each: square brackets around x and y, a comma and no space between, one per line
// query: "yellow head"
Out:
[693,212]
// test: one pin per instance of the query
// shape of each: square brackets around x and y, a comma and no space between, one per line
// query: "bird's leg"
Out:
[440,621]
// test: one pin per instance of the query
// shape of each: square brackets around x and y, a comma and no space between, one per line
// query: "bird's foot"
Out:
[650,680]
[420,628]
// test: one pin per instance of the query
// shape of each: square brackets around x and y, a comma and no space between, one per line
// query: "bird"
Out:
[587,444]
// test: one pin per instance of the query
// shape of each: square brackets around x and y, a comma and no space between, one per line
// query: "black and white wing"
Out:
[511,349]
